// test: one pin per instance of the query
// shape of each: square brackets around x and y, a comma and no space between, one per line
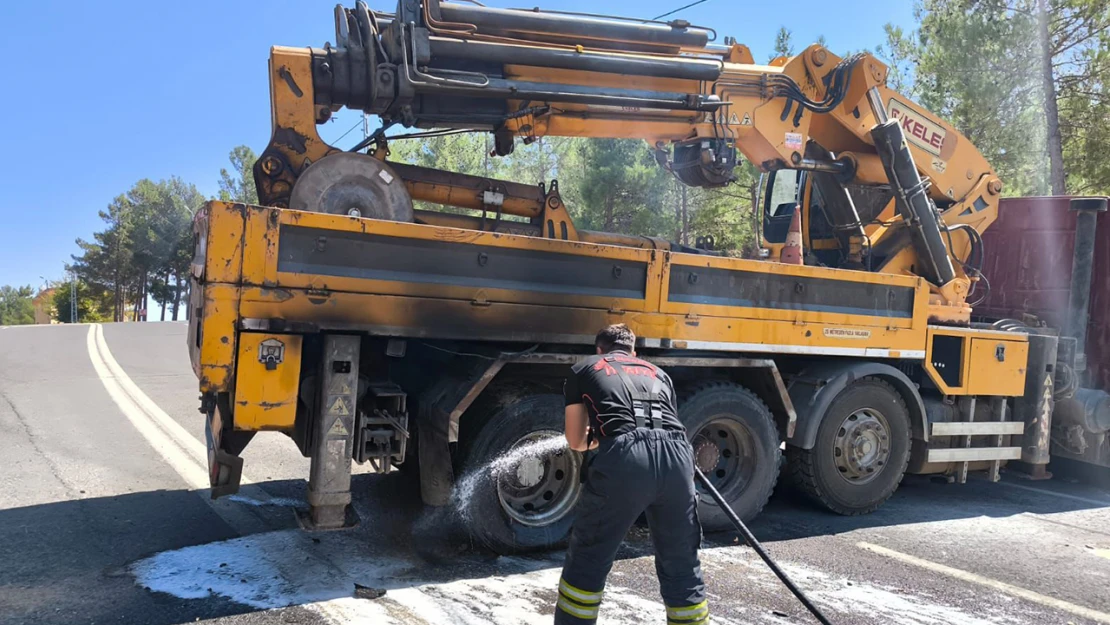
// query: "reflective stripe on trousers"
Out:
[697,614]
[580,604]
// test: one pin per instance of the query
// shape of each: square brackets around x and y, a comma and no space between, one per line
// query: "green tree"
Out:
[973,69]
[783,44]
[899,51]
[16,307]
[237,185]
[1074,37]
[465,153]
[148,238]
[106,260]
[607,184]
[623,189]
[1025,80]
[94,304]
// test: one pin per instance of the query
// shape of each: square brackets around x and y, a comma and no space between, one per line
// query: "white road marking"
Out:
[183,453]
[1095,502]
[973,578]
[178,457]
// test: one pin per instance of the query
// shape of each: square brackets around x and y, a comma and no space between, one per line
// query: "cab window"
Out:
[781,201]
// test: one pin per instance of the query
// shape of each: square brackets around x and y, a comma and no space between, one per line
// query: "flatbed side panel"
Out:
[754,289]
[336,253]
[295,310]
[329,255]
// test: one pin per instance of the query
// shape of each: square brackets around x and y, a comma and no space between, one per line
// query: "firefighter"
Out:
[624,408]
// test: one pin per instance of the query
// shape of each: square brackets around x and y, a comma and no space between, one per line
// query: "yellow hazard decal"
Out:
[339,386]
[339,407]
[337,429]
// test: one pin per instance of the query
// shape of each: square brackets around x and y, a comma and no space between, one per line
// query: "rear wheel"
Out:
[512,498]
[861,452]
[736,445]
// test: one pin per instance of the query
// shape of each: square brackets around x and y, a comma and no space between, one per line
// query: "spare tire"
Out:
[357,185]
[519,504]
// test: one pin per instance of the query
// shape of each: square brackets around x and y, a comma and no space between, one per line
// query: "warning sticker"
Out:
[339,386]
[793,141]
[725,119]
[337,428]
[847,333]
[747,121]
[339,407]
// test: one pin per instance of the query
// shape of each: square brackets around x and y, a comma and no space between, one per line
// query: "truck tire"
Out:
[861,452]
[736,445]
[523,506]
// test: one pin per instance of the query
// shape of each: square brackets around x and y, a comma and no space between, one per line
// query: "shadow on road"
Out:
[921,499]
[77,561]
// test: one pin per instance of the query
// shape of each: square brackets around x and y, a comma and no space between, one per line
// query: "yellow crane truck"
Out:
[371,331]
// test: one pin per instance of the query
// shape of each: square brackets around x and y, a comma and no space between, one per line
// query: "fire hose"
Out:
[754,544]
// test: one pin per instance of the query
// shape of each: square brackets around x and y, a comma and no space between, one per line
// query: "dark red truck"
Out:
[1047,260]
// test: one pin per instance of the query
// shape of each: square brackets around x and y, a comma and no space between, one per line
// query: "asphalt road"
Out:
[104,519]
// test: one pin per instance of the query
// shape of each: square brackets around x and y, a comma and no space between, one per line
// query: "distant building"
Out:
[44,307]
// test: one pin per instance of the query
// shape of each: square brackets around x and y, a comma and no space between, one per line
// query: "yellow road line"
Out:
[1009,589]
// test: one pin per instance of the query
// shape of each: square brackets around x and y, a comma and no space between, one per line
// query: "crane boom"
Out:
[528,74]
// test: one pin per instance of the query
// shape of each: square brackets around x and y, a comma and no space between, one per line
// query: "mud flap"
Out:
[225,470]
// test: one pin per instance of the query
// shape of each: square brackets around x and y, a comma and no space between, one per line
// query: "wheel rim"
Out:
[539,491]
[724,450]
[862,446]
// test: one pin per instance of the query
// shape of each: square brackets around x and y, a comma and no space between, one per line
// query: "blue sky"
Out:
[100,94]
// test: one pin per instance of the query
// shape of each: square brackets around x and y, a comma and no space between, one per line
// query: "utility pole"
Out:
[73,297]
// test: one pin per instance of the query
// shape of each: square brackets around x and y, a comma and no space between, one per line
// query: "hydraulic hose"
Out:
[754,544]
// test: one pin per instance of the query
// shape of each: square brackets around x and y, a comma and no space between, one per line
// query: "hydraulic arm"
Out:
[527,74]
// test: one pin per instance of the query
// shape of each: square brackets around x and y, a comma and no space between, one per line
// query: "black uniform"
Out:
[643,464]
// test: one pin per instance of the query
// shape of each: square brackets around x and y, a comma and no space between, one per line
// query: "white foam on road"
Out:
[287,568]
[281,502]
[851,598]
[319,571]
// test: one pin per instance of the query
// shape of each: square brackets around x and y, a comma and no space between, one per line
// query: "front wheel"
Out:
[861,452]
